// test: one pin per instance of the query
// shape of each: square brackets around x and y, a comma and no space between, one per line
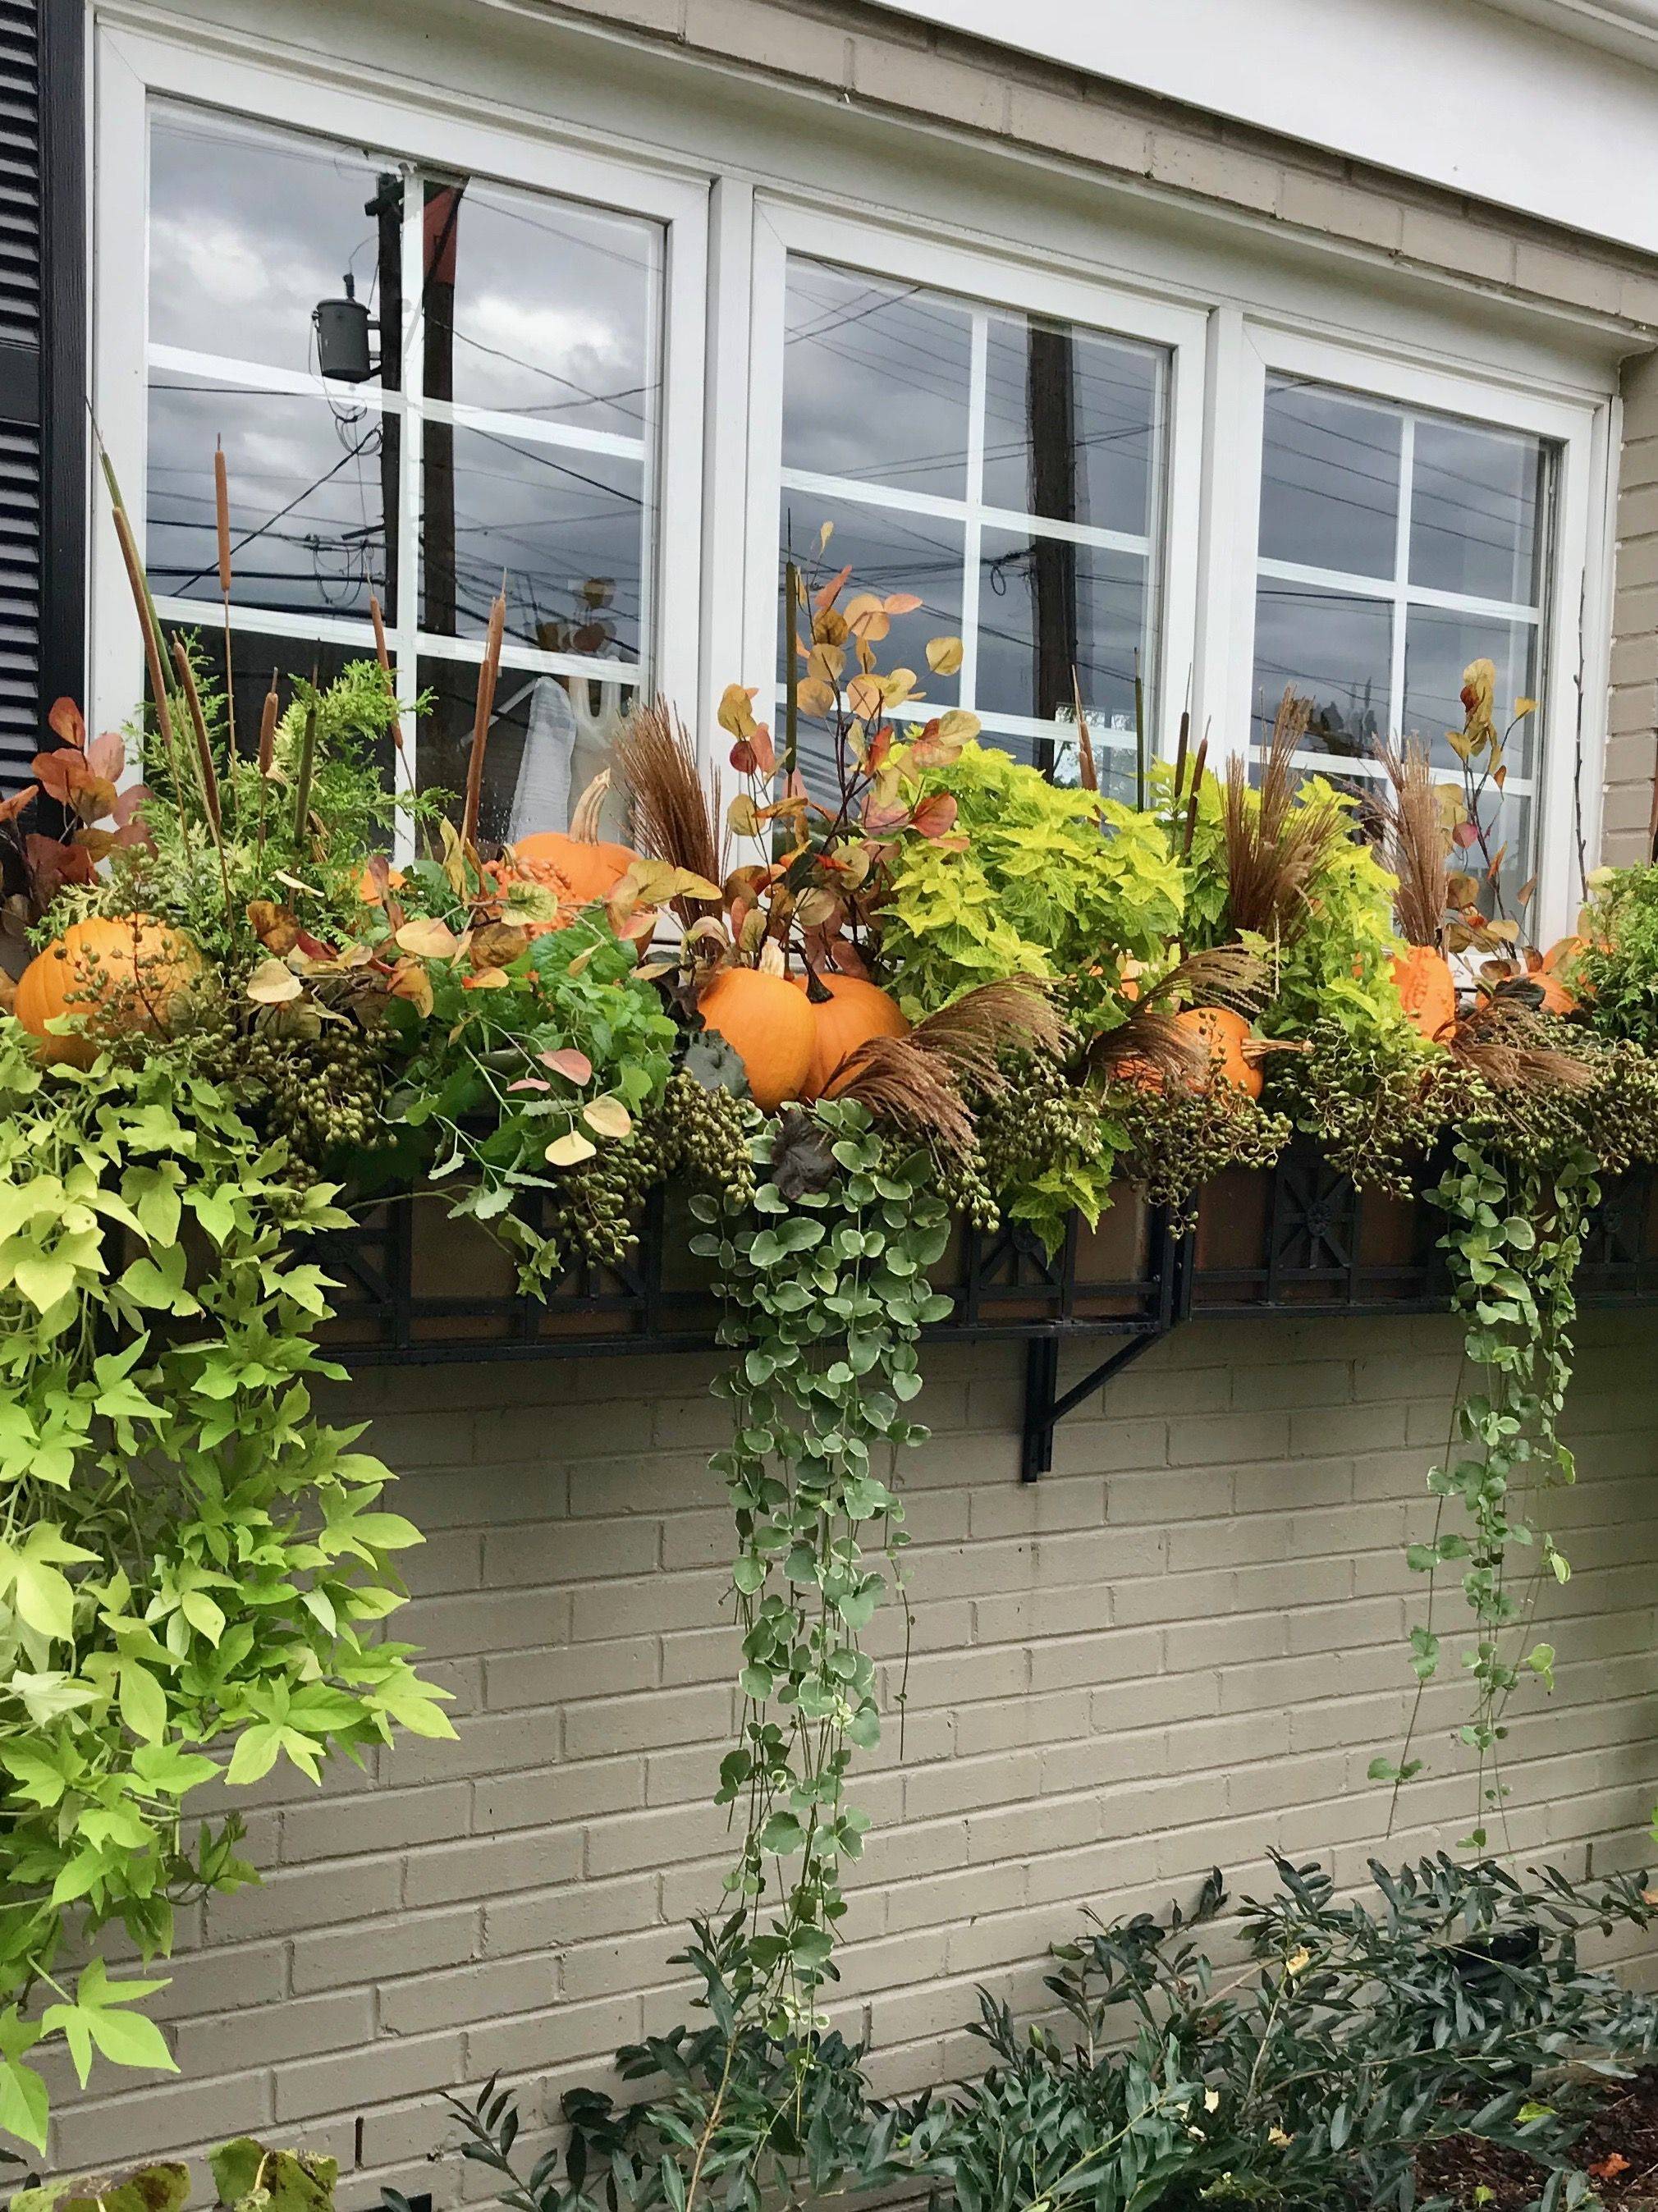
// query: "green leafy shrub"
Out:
[1310,2079]
[1314,2079]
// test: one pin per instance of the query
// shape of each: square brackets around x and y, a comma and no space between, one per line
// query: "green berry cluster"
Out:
[324,1093]
[1039,1124]
[1376,1103]
[694,1133]
[1179,1139]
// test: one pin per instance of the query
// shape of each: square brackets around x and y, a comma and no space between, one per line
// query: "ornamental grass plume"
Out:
[1505,1041]
[1413,846]
[674,815]
[1154,1042]
[1275,846]
[921,1081]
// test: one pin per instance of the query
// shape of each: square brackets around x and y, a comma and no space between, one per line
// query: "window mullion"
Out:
[972,529]
[1401,577]
[406,634]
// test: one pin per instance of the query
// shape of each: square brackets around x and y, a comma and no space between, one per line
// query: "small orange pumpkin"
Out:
[131,964]
[771,1027]
[1422,977]
[853,1012]
[592,870]
[1224,1031]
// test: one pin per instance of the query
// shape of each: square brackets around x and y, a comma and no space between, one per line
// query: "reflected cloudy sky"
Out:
[553,320]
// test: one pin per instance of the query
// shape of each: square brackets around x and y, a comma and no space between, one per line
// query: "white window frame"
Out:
[783,225]
[1575,584]
[135,69]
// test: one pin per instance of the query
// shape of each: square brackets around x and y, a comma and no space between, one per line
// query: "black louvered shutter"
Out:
[42,372]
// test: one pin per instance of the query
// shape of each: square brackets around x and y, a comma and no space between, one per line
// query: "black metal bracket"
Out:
[1046,1405]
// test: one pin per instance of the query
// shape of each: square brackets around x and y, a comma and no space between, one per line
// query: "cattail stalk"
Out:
[1140,734]
[489,669]
[307,769]
[1087,773]
[1181,743]
[221,511]
[382,653]
[267,750]
[207,773]
[150,629]
[1198,767]
[792,675]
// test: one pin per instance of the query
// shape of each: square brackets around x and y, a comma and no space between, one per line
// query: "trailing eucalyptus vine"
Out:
[1512,1238]
[826,1282]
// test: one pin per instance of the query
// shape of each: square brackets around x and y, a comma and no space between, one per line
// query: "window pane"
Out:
[1071,423]
[250,228]
[875,382]
[1438,647]
[1333,648]
[311,483]
[889,552]
[568,527]
[548,738]
[1329,494]
[1046,607]
[536,306]
[1476,508]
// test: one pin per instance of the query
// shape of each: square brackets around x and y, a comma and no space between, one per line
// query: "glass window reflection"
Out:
[249,228]
[1330,481]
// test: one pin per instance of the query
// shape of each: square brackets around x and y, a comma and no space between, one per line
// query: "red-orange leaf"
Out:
[935,815]
[66,723]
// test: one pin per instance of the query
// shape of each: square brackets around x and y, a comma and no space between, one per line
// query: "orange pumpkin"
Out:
[853,1012]
[769,1024]
[131,965]
[592,870]
[1422,976]
[1224,1032]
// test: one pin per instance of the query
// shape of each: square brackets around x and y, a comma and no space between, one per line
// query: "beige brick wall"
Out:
[1632,702]
[1183,1646]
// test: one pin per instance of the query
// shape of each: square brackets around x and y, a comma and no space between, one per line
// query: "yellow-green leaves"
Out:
[32,1581]
[230,1603]
[99,2018]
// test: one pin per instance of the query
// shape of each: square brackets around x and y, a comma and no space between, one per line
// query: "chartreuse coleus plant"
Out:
[825,1276]
[192,1564]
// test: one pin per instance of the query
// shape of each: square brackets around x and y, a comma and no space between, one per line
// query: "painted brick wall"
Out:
[1183,1647]
[1632,706]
